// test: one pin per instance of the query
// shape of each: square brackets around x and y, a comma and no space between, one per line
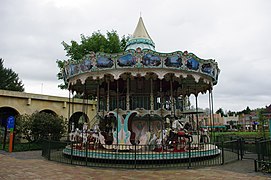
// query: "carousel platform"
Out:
[205,152]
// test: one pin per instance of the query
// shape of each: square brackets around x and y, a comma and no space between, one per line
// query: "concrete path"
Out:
[30,165]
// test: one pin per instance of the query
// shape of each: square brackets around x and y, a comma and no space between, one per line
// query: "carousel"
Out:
[142,103]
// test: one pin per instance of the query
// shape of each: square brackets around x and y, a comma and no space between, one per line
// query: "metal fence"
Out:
[263,161]
[141,156]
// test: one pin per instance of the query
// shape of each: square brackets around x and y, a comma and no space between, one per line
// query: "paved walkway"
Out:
[30,165]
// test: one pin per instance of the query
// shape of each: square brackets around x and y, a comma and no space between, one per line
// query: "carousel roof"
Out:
[140,31]
[141,38]
[140,59]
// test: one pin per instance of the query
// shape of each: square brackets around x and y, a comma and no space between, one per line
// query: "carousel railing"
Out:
[141,156]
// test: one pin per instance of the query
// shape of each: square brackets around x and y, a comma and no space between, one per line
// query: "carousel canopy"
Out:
[141,60]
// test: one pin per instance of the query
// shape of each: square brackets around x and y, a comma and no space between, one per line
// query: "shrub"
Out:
[43,124]
[39,125]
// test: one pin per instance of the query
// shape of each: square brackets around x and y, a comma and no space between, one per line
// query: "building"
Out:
[249,121]
[231,121]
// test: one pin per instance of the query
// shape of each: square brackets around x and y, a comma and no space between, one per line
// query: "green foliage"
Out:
[262,120]
[38,126]
[239,126]
[245,111]
[43,124]
[123,41]
[60,64]
[9,79]
[23,127]
[244,134]
[97,42]
[231,113]
[220,111]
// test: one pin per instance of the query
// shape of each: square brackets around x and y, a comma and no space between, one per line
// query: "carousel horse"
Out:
[204,136]
[98,138]
[74,136]
[152,139]
[163,134]
[85,137]
[177,125]
[188,126]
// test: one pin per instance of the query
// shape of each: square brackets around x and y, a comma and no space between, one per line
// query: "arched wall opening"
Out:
[48,111]
[78,119]
[5,113]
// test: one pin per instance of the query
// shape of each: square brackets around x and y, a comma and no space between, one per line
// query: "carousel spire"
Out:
[140,31]
[140,38]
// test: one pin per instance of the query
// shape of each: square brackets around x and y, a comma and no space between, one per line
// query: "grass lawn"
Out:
[245,134]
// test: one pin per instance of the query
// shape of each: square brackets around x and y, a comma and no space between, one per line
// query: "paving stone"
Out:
[31,165]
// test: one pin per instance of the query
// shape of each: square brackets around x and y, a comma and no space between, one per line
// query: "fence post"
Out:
[231,143]
[263,148]
[189,144]
[257,149]
[222,146]
[71,151]
[86,146]
[49,148]
[255,165]
[135,156]
[238,143]
[241,148]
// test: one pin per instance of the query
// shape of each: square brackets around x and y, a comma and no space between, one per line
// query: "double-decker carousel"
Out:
[142,103]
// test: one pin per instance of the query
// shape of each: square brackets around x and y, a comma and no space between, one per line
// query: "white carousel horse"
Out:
[177,125]
[85,137]
[73,136]
[99,138]
[204,136]
[153,139]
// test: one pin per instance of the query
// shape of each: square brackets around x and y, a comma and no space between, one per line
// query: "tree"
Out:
[220,111]
[97,42]
[231,113]
[262,120]
[9,79]
[245,111]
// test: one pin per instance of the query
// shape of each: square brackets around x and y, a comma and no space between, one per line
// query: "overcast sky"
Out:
[237,34]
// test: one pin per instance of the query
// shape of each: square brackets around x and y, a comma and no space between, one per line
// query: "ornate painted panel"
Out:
[151,60]
[86,65]
[127,60]
[192,64]
[104,62]
[73,69]
[173,61]
[207,68]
